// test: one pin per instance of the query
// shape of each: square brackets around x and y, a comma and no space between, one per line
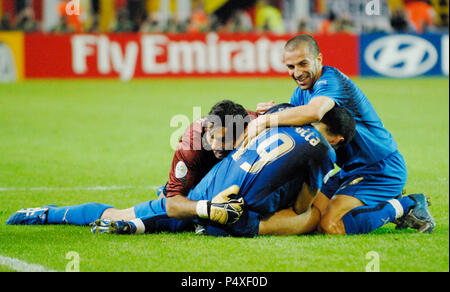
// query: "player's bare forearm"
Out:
[297,116]
[301,115]
[180,207]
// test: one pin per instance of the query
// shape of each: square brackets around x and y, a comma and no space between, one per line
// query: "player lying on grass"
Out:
[201,146]
[256,181]
[312,159]
[199,149]
[362,196]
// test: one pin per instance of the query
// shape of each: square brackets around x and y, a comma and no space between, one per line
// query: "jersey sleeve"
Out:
[330,87]
[295,97]
[184,171]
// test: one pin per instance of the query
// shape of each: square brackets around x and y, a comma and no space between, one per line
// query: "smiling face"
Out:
[303,65]
[215,137]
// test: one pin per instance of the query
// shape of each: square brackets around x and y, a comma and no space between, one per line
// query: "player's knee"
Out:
[171,208]
[116,214]
[109,214]
[331,226]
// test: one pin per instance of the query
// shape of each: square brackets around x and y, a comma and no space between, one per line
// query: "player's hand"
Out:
[262,107]
[254,128]
[222,209]
[226,213]
[225,210]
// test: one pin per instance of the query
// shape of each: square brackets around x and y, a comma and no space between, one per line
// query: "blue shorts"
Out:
[248,223]
[246,226]
[371,184]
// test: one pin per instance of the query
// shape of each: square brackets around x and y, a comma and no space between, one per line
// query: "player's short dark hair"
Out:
[295,42]
[340,122]
[231,115]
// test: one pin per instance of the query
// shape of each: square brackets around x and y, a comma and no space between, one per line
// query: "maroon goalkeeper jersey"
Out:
[191,161]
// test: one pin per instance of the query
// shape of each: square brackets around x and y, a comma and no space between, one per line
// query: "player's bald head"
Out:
[303,40]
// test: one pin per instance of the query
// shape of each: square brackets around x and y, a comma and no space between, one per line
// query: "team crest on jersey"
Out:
[180,170]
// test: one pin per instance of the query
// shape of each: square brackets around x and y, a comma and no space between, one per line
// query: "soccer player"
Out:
[203,144]
[362,196]
[266,174]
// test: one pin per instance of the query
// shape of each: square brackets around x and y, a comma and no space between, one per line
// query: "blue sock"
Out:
[76,215]
[151,208]
[407,203]
[365,219]
[152,218]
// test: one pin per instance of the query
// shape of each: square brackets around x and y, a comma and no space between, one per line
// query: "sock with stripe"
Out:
[365,219]
[76,215]
[148,215]
[151,217]
[151,208]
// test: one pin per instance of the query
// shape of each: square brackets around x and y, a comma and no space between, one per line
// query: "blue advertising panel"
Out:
[404,55]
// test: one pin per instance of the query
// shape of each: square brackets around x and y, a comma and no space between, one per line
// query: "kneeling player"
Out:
[255,181]
[310,163]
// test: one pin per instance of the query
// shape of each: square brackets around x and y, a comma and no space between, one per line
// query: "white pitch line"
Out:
[65,189]
[22,266]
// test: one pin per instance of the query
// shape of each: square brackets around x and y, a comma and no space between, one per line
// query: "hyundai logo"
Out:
[401,56]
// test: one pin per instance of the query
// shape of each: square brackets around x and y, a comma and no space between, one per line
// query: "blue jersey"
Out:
[278,156]
[372,142]
[269,173]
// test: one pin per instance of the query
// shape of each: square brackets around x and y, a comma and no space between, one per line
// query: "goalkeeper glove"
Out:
[222,209]
[222,213]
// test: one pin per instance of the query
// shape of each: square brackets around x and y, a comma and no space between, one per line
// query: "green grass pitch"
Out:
[61,141]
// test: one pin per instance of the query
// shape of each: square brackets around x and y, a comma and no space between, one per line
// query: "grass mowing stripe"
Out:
[21,266]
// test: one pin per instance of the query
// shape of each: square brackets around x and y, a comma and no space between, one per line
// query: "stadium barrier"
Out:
[129,56]
[11,56]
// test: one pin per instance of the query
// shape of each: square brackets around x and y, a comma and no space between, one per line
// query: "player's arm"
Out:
[184,172]
[186,162]
[296,116]
[305,114]
[182,178]
[221,209]
[180,207]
